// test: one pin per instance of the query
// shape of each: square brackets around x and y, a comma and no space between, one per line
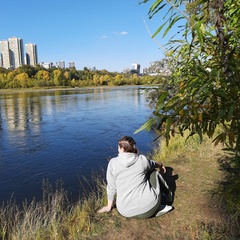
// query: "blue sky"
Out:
[106,34]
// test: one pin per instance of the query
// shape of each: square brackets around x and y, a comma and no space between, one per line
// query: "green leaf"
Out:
[147,126]
[160,102]
[199,32]
[155,8]
[144,1]
[176,19]
[230,113]
[221,93]
[169,123]
[159,29]
[220,115]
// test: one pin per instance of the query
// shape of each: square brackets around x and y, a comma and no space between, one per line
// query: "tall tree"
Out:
[57,77]
[206,74]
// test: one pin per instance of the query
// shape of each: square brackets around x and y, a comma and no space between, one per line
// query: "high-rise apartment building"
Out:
[135,68]
[5,54]
[71,64]
[16,52]
[60,64]
[31,54]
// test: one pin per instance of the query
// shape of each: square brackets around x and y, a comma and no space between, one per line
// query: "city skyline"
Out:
[107,34]
[12,54]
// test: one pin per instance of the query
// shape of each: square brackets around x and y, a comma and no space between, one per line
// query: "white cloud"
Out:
[104,36]
[121,33]
[124,33]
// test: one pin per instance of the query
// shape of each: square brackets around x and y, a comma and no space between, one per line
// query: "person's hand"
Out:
[163,169]
[104,209]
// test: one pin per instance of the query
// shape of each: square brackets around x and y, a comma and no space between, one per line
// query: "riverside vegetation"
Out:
[193,173]
[38,77]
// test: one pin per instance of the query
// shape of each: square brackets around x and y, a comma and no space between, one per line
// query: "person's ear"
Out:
[121,150]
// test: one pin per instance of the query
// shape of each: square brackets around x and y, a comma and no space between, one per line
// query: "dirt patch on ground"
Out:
[197,213]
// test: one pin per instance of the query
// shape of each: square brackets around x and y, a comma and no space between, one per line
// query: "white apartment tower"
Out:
[16,52]
[31,54]
[71,64]
[5,54]
[136,68]
[60,64]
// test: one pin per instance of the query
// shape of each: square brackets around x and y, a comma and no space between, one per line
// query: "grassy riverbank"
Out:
[23,90]
[42,89]
[193,173]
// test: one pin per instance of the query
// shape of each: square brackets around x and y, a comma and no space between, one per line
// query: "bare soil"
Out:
[197,214]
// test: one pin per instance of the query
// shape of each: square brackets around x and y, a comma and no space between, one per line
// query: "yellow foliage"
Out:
[118,77]
[181,113]
[96,79]
[10,76]
[101,79]
[21,76]
[181,85]
[66,75]
[43,75]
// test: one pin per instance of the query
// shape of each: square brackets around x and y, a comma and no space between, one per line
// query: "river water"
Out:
[65,134]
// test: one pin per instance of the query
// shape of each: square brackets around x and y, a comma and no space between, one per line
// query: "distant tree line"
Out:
[35,77]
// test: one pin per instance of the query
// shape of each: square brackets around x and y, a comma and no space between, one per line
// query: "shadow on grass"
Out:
[170,178]
[229,186]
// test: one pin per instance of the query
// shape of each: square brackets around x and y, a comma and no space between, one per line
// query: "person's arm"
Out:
[111,190]
[107,208]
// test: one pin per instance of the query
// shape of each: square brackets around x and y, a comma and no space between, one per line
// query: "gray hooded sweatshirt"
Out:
[127,179]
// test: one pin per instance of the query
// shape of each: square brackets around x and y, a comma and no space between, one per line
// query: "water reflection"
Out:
[64,134]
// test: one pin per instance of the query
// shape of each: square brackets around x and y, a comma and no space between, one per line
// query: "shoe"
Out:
[163,210]
[169,197]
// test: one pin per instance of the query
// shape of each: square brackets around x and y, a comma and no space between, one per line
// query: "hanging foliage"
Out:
[206,57]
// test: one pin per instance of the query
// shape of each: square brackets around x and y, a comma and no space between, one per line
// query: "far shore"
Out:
[13,90]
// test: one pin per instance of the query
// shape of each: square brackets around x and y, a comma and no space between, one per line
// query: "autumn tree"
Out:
[66,75]
[119,80]
[57,77]
[96,79]
[43,75]
[105,79]
[23,79]
[206,75]
[3,80]
[11,75]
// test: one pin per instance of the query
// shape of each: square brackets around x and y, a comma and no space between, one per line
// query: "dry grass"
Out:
[192,173]
[52,218]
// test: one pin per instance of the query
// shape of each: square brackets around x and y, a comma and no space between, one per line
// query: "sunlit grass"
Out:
[52,218]
[177,146]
